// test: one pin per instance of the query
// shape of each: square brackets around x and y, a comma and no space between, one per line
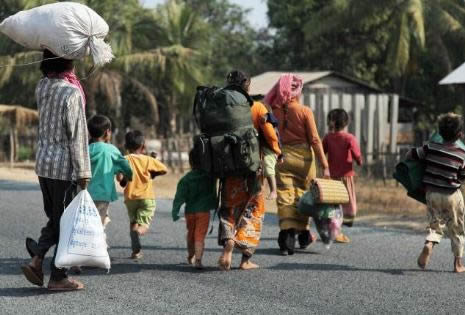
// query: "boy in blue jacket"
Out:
[106,162]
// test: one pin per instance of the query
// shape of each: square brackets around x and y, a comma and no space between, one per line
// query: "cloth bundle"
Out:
[328,191]
[409,173]
[69,30]
[327,217]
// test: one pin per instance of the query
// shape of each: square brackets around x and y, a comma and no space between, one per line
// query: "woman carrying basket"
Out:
[301,143]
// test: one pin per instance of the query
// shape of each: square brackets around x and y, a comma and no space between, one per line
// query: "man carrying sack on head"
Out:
[65,31]
[62,160]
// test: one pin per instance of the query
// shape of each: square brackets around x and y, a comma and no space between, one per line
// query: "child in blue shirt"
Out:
[106,162]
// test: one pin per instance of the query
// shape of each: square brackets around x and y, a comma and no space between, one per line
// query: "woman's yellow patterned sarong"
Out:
[293,178]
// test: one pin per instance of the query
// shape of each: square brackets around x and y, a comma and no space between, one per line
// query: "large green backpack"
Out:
[228,143]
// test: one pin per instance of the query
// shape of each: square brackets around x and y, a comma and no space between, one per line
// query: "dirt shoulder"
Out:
[380,204]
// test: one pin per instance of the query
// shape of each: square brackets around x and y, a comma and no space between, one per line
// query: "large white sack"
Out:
[82,239]
[68,29]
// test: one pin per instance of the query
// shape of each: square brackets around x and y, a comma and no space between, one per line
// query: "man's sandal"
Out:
[33,275]
[66,284]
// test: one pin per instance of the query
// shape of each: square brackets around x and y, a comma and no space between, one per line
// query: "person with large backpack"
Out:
[230,122]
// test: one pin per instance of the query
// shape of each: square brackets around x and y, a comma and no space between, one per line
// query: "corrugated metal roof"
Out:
[262,83]
[455,77]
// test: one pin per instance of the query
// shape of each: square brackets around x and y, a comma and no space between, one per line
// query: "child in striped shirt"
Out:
[444,171]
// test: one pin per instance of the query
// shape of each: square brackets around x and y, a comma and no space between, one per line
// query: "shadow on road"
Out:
[334,267]
[25,291]
[276,252]
[134,267]
[12,266]
[144,248]
[8,185]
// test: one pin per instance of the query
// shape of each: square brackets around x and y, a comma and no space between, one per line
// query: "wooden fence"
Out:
[374,118]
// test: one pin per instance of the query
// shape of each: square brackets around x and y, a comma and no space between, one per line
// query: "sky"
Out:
[257,15]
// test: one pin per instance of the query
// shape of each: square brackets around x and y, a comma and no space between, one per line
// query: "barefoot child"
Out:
[106,162]
[444,170]
[197,190]
[342,149]
[139,196]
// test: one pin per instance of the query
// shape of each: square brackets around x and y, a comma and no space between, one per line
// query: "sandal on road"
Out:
[342,238]
[33,275]
[66,284]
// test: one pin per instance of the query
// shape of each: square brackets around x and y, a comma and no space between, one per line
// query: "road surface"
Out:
[376,273]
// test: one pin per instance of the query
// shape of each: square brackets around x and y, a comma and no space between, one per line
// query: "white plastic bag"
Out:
[68,29]
[82,239]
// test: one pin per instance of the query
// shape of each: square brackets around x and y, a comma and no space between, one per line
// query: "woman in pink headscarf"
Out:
[301,143]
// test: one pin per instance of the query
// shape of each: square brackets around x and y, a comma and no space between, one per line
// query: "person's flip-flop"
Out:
[70,285]
[33,275]
[32,247]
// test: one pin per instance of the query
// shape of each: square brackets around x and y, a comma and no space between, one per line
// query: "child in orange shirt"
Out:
[139,196]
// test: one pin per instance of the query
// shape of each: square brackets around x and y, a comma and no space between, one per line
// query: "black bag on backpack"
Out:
[229,143]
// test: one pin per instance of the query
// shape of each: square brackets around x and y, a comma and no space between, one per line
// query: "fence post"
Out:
[12,146]
[312,101]
[394,125]
[358,101]
[333,100]
[179,148]
[370,123]
[170,153]
[325,110]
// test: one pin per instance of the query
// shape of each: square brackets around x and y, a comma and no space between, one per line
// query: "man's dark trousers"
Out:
[57,195]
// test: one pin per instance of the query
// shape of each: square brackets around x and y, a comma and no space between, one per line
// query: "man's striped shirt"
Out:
[445,165]
[63,151]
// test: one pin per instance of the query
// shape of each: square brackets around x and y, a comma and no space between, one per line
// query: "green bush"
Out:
[25,153]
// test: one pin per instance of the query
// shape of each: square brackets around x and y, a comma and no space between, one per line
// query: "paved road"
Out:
[375,274]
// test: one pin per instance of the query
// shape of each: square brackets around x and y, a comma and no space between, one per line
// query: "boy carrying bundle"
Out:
[445,169]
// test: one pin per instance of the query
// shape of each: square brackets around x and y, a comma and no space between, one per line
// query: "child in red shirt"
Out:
[342,149]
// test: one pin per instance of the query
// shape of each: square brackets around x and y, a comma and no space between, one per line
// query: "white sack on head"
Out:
[68,29]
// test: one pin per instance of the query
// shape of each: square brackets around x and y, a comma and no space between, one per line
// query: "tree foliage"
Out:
[404,46]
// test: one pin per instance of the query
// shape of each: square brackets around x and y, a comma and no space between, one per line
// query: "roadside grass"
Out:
[374,197]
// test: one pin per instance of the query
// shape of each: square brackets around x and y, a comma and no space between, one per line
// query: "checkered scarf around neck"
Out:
[70,77]
[287,88]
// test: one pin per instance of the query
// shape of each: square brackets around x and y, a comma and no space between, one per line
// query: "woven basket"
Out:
[329,191]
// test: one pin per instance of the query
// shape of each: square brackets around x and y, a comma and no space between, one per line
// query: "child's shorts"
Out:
[269,162]
[140,211]
[197,226]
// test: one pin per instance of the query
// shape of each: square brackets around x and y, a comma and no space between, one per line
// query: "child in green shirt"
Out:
[197,190]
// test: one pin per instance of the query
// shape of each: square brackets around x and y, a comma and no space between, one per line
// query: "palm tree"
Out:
[412,26]
[156,54]
[175,63]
